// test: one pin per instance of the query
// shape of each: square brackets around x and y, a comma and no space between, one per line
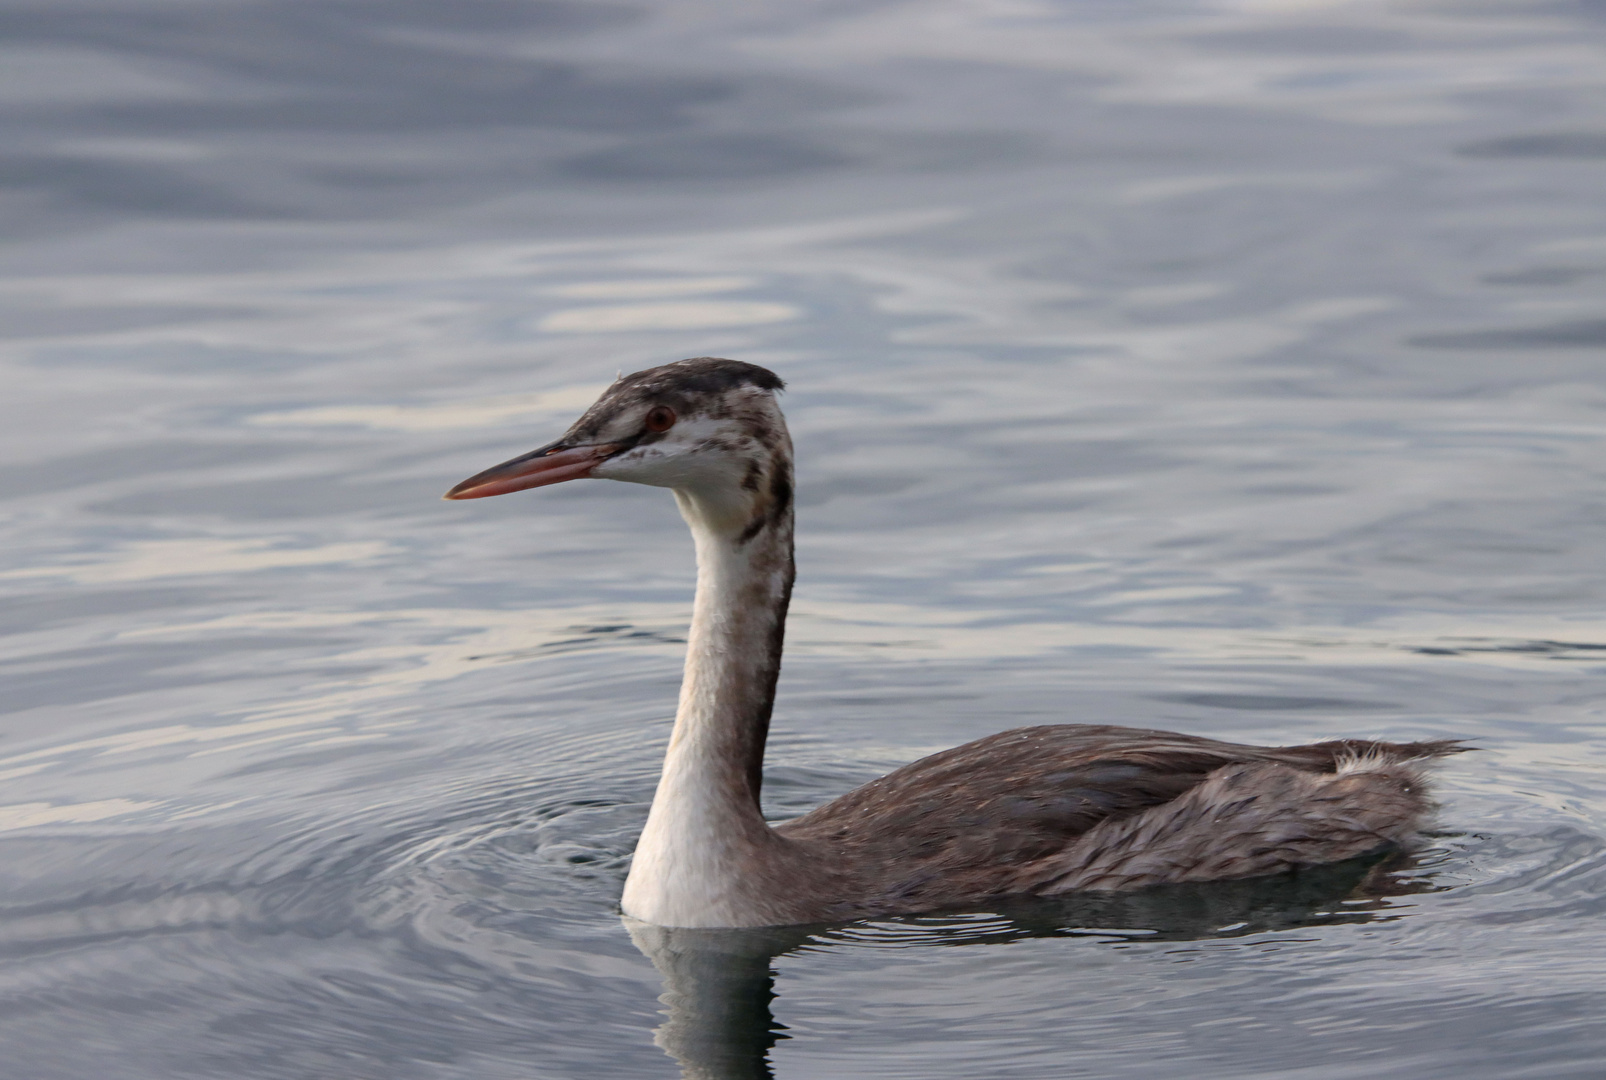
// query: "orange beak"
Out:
[551,464]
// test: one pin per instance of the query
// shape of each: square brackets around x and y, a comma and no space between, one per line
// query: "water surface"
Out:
[1237,368]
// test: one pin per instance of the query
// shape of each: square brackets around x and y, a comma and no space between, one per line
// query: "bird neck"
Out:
[705,829]
[733,652]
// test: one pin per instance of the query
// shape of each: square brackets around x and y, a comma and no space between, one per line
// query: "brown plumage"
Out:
[1040,811]
[1050,810]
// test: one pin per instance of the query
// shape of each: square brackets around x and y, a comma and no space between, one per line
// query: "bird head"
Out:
[710,429]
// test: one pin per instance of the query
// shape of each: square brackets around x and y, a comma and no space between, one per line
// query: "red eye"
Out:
[660,418]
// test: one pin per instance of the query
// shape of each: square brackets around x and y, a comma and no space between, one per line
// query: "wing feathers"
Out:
[1071,807]
[1243,821]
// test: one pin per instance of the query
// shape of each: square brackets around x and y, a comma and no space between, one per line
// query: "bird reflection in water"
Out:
[719,984]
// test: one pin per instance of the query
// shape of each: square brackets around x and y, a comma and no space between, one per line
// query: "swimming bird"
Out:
[1037,811]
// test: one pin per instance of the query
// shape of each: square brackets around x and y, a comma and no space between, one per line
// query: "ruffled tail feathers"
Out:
[1254,819]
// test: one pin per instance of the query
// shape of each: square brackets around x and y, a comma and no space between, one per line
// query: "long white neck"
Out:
[697,860]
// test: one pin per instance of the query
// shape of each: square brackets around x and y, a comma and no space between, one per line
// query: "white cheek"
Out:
[707,486]
[646,465]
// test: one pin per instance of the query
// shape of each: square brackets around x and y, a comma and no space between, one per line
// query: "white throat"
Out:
[699,860]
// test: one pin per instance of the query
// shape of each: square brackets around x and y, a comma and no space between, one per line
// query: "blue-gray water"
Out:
[1233,367]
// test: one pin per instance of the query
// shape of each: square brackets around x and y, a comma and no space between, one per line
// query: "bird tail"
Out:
[1342,755]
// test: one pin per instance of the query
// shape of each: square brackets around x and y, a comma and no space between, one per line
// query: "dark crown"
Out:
[701,375]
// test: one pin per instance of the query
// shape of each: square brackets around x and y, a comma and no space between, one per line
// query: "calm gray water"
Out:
[1234,367]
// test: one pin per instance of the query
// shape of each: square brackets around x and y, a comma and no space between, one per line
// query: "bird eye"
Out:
[660,418]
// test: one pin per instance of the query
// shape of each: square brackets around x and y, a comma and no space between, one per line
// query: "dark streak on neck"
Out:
[777,516]
[775,511]
[769,677]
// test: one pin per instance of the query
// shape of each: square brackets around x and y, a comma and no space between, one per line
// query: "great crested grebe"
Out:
[1038,811]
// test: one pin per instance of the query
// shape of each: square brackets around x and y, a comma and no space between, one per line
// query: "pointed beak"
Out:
[551,464]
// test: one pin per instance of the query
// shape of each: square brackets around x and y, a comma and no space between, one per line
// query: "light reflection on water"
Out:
[1233,368]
